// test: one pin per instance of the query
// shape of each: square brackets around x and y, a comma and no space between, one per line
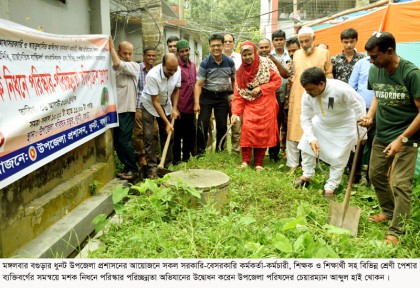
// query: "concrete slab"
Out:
[66,235]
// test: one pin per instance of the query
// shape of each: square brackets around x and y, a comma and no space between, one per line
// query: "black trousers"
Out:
[184,138]
[209,101]
[123,141]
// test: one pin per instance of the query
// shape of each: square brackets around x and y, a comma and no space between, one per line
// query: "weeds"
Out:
[265,217]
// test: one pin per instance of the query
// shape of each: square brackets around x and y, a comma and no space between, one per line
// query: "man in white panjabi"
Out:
[330,109]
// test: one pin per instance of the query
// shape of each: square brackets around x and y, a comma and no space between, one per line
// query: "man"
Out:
[149,59]
[171,43]
[359,81]
[280,53]
[127,74]
[396,106]
[160,101]
[215,75]
[184,125]
[344,62]
[330,109]
[343,65]
[228,50]
[307,55]
[292,45]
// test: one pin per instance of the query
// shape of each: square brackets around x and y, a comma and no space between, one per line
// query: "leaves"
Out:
[246,220]
[282,243]
[99,221]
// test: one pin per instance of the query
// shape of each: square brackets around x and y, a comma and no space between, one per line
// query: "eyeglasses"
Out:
[377,34]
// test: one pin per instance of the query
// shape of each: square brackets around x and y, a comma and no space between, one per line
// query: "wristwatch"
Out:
[404,139]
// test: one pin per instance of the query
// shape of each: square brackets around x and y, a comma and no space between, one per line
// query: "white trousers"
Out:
[292,153]
[336,171]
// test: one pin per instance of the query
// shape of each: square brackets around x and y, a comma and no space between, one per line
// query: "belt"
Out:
[208,92]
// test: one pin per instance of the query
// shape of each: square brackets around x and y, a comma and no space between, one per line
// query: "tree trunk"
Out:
[152,26]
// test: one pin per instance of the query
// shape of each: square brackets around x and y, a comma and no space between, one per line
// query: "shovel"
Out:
[161,170]
[227,132]
[342,214]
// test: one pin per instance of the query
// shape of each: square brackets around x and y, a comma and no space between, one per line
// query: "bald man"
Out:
[160,101]
[127,74]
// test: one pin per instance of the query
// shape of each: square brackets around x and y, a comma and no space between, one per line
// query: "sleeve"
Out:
[413,83]
[354,77]
[178,83]
[306,117]
[238,102]
[151,87]
[130,68]
[272,85]
[202,72]
[328,66]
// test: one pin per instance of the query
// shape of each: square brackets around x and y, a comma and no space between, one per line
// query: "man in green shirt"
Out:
[396,106]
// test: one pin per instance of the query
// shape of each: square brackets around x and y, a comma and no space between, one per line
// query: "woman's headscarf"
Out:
[253,75]
[246,72]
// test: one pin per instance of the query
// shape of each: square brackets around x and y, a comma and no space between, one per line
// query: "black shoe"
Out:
[274,159]
[152,173]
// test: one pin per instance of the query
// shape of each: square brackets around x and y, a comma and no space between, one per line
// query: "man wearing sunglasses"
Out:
[396,107]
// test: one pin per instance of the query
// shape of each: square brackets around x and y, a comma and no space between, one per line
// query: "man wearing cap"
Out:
[160,101]
[307,56]
[215,74]
[184,125]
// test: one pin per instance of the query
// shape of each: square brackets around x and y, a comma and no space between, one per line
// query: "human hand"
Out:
[315,147]
[196,108]
[365,121]
[393,148]
[234,119]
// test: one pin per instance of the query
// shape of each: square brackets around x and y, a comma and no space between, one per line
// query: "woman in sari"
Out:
[257,80]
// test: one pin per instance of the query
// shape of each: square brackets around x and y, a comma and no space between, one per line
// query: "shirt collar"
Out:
[183,63]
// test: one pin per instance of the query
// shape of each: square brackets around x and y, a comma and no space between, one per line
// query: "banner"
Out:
[56,93]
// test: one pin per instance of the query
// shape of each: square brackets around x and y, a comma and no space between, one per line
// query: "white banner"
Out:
[352,273]
[55,94]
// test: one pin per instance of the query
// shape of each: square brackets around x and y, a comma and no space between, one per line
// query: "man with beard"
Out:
[307,56]
[184,125]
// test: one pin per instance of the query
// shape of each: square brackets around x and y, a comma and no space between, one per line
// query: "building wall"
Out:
[33,203]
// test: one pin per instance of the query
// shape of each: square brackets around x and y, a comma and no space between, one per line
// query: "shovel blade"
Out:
[347,219]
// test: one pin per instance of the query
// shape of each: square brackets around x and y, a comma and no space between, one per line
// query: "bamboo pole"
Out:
[357,9]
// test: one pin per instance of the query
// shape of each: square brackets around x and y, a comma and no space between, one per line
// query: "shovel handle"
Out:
[165,148]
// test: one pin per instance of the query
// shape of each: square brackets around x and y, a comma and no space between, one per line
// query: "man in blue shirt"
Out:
[215,74]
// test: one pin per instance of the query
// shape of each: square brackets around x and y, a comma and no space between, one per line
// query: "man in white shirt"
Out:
[127,75]
[229,50]
[330,109]
[160,101]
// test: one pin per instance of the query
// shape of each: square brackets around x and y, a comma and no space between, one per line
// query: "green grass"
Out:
[265,217]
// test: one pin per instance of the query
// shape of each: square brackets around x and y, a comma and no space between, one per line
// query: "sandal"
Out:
[244,165]
[378,218]
[302,182]
[259,168]
[391,240]
[328,194]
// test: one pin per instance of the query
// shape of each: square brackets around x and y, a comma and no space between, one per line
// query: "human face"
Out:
[216,47]
[348,45]
[170,68]
[279,42]
[306,42]
[314,90]
[248,56]
[229,44]
[380,59]
[126,52]
[184,54]
[172,47]
[292,48]
[264,48]
[149,58]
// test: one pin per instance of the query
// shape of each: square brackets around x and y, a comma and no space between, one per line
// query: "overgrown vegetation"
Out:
[265,217]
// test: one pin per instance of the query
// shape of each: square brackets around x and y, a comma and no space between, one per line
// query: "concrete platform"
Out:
[65,236]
